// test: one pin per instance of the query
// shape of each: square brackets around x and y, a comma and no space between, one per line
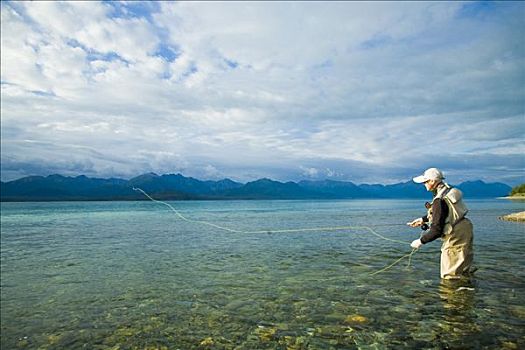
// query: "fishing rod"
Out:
[387,224]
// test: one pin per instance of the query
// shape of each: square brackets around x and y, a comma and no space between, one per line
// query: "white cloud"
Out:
[132,39]
[279,89]
[309,172]
[19,55]
[64,18]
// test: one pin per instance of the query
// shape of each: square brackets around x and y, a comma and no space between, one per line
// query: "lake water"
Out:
[133,275]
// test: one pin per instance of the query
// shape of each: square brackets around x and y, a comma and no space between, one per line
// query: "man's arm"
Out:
[439,216]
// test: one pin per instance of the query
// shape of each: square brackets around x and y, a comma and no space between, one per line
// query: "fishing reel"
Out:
[425,226]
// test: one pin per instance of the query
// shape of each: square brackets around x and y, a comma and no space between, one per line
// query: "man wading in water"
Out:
[446,219]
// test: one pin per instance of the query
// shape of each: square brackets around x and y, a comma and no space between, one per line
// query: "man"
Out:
[446,219]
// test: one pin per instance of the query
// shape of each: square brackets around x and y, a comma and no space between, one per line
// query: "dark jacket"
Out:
[439,216]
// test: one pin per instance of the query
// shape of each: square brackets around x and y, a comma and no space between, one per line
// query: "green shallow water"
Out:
[131,275]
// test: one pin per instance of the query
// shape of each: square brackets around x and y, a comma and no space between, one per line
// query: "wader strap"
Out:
[442,196]
[458,220]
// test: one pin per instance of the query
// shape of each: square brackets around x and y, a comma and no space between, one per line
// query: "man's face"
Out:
[431,184]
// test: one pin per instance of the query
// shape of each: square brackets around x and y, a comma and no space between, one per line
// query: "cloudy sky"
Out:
[358,91]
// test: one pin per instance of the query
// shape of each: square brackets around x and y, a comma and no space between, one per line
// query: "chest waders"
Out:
[457,250]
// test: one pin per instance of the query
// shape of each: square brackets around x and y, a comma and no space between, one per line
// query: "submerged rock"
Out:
[330,331]
[518,311]
[265,334]
[53,338]
[508,345]
[24,343]
[353,319]
[294,343]
[207,342]
[518,217]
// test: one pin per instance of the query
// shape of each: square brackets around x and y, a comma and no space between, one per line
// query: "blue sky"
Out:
[355,91]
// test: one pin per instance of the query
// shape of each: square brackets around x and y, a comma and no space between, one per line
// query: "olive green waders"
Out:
[457,251]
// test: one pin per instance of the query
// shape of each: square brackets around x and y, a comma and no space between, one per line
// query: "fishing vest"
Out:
[456,207]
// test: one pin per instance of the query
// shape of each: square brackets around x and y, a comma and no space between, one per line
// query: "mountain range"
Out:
[178,187]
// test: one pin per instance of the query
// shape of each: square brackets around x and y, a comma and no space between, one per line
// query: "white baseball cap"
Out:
[429,174]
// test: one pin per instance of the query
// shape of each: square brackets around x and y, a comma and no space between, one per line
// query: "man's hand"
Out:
[416,244]
[416,223]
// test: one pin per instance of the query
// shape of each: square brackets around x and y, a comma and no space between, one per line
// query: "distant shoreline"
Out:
[211,199]
[519,197]
[517,217]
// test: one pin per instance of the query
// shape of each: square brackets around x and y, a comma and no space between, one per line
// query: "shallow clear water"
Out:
[132,275]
